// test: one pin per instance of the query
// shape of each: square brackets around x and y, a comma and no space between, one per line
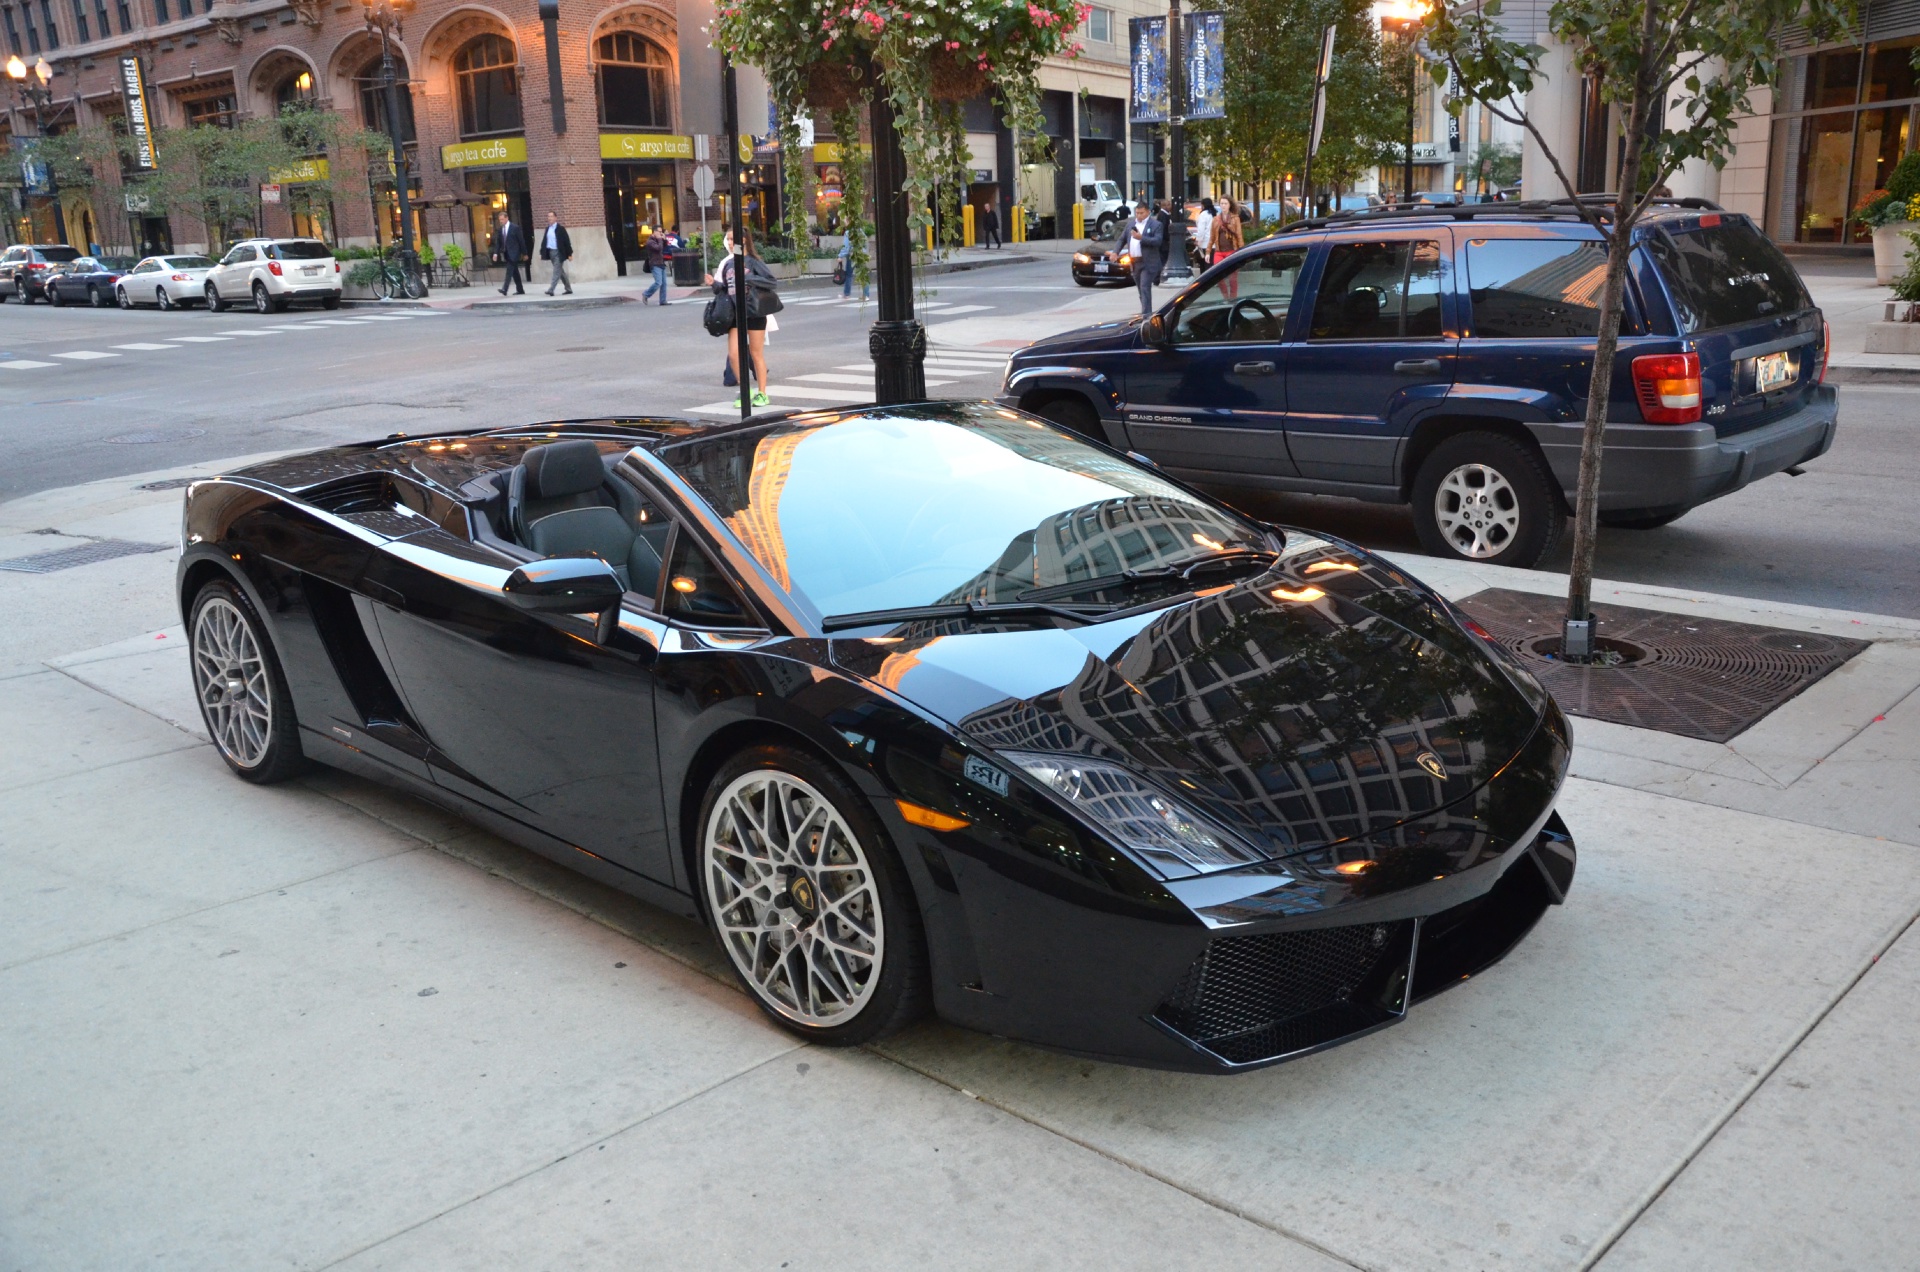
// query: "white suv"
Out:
[273,273]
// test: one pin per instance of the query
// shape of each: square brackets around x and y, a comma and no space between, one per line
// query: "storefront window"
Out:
[489,87]
[1890,74]
[1825,143]
[1832,79]
[1826,164]
[373,98]
[635,81]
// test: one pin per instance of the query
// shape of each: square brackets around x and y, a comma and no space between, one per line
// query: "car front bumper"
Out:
[1089,273]
[1653,469]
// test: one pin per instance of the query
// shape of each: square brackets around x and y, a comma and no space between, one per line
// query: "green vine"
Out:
[853,186]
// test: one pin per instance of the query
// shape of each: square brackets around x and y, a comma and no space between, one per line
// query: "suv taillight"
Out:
[1826,345]
[1668,385]
[36,264]
[273,267]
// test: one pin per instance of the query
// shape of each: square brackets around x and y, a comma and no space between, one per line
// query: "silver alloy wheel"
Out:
[1478,510]
[230,675]
[794,897]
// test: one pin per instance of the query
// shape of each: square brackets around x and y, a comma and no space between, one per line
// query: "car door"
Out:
[1213,398]
[526,714]
[229,277]
[142,283]
[1378,351]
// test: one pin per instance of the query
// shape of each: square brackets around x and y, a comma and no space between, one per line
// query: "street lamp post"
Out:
[896,341]
[384,16]
[1176,266]
[1405,16]
[36,93]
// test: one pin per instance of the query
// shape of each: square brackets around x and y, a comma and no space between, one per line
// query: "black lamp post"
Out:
[1176,265]
[896,341]
[36,93]
[1404,16]
[384,17]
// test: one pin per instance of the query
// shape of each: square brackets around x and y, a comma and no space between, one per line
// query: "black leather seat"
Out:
[562,503]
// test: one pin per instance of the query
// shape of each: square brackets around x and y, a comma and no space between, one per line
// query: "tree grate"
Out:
[1696,677]
[80,554]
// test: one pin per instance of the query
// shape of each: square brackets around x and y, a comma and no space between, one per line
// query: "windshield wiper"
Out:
[1182,573]
[966,609]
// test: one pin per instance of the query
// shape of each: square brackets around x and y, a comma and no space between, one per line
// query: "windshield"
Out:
[120,263]
[299,251]
[188,262]
[926,505]
[1725,273]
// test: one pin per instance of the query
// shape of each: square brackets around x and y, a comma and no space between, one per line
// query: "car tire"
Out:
[262,302]
[121,298]
[163,298]
[329,302]
[93,298]
[1486,497]
[1104,226]
[53,296]
[1641,523]
[1073,415]
[241,690]
[764,899]
[214,303]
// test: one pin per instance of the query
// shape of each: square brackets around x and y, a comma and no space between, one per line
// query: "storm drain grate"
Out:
[79,554]
[1696,677]
[170,483]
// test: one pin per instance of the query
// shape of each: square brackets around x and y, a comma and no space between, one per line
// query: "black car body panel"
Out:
[1393,775]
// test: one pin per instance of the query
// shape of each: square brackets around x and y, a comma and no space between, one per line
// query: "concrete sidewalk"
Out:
[324,1025]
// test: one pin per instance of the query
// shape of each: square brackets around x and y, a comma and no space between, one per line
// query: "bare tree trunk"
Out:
[1586,513]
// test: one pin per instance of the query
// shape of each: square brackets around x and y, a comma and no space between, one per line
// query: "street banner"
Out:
[1453,120]
[1323,71]
[1205,51]
[1148,102]
[36,176]
[133,91]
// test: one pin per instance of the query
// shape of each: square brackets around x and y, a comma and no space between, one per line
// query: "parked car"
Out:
[1094,265]
[25,268]
[166,281]
[1441,358]
[929,707]
[88,280]
[274,273]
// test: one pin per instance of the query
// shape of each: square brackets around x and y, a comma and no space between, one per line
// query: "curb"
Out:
[1873,375]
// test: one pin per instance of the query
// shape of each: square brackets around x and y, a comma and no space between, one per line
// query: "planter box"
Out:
[1893,337]
[1890,246]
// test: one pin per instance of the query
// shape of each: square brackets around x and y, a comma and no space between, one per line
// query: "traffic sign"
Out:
[703,184]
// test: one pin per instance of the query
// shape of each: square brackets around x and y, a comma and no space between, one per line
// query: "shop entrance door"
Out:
[637,195]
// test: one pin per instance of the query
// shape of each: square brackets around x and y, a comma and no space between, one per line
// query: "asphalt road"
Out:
[210,386]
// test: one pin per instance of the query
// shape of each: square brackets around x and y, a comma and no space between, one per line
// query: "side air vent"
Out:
[370,492]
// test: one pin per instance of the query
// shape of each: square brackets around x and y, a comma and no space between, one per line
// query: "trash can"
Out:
[686,268]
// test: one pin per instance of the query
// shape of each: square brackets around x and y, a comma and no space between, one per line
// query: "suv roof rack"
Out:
[1555,209]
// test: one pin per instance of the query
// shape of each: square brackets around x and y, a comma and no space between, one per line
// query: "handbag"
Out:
[719,317]
[839,273]
[763,297]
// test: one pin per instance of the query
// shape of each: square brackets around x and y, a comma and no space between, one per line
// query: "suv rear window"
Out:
[59,254]
[1724,274]
[300,251]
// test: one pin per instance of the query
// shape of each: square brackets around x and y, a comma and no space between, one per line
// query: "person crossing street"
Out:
[1145,240]
[557,248]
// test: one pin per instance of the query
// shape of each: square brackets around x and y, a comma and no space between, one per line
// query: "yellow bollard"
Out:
[929,236]
[1079,221]
[1019,223]
[966,226]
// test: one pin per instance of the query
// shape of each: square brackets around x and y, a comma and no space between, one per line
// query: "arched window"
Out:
[373,98]
[294,89]
[636,82]
[489,87]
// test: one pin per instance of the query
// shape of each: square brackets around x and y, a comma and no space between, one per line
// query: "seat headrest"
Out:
[562,468]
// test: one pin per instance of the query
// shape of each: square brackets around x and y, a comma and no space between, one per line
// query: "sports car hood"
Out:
[1328,698]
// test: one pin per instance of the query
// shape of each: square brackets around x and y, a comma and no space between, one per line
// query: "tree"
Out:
[1712,53]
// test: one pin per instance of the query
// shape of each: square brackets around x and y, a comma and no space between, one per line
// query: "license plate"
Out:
[1772,371]
[1102,268]
[309,269]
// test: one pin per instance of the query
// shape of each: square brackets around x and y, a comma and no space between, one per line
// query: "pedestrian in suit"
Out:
[990,226]
[510,242]
[556,247]
[1146,241]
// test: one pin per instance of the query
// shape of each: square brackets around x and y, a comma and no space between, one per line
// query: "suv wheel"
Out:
[1485,497]
[1073,415]
[262,302]
[214,303]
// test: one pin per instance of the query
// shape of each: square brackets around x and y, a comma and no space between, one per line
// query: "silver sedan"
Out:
[166,281]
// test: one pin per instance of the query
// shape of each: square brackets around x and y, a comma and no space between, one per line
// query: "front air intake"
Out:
[1251,999]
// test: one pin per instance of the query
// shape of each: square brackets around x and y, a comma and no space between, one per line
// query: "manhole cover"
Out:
[78,554]
[148,439]
[1676,673]
[170,483]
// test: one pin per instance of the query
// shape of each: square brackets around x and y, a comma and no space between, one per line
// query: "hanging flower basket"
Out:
[832,85]
[957,77]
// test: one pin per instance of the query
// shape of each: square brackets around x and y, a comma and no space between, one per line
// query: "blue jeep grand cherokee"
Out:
[1440,357]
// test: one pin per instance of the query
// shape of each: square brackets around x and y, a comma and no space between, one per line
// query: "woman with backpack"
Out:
[762,301]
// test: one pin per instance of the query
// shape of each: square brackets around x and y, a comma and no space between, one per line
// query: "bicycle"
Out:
[399,278]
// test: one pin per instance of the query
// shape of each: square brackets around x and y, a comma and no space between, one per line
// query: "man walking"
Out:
[510,242]
[1145,240]
[659,260]
[557,248]
[990,224]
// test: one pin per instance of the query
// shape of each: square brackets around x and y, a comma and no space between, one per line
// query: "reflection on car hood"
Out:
[1100,336]
[1294,722]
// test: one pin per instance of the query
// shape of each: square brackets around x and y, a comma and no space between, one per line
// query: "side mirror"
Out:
[1154,331]
[569,585]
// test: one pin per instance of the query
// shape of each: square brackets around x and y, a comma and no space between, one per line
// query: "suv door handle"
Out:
[1417,366]
[1258,368]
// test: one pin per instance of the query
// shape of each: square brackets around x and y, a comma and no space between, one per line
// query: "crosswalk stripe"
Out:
[199,339]
[828,377]
[145,347]
[289,326]
[950,311]
[966,355]
[85,355]
[336,322]
[24,364]
[263,331]
[964,368]
[385,318]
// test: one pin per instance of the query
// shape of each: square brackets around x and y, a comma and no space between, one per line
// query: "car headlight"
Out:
[1136,813]
[1081,258]
[1126,259]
